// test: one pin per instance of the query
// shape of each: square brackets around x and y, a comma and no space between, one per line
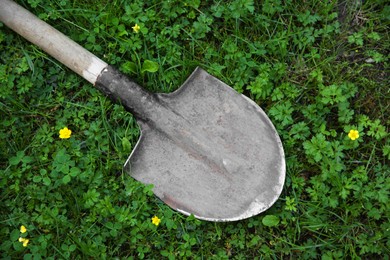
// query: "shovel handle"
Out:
[51,41]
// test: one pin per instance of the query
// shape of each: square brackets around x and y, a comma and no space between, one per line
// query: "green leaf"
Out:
[255,240]
[122,30]
[270,221]
[62,161]
[15,235]
[344,193]
[356,38]
[126,145]
[91,197]
[300,131]
[374,35]
[283,113]
[74,171]
[317,147]
[27,159]
[149,66]
[170,224]
[386,151]
[37,178]
[46,181]
[66,179]
[165,253]
[345,113]
[332,94]
[16,159]
[377,130]
[129,67]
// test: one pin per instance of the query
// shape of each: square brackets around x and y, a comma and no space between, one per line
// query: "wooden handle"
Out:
[51,41]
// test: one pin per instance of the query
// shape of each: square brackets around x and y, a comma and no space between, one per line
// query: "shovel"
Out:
[208,150]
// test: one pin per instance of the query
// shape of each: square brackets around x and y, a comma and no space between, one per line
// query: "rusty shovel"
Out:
[208,150]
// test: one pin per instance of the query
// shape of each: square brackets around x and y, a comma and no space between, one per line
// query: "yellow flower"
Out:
[353,134]
[65,133]
[24,241]
[156,221]
[23,229]
[136,28]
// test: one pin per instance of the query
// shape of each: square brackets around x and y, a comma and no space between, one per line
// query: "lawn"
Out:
[319,69]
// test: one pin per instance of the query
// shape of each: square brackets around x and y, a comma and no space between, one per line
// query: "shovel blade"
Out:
[210,151]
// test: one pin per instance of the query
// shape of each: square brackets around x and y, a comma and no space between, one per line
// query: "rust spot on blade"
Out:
[173,203]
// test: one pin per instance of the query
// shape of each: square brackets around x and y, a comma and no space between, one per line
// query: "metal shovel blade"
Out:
[209,151]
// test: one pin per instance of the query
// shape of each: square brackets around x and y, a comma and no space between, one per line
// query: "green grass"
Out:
[318,68]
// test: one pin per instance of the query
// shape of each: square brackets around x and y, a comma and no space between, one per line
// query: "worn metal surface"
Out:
[208,150]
